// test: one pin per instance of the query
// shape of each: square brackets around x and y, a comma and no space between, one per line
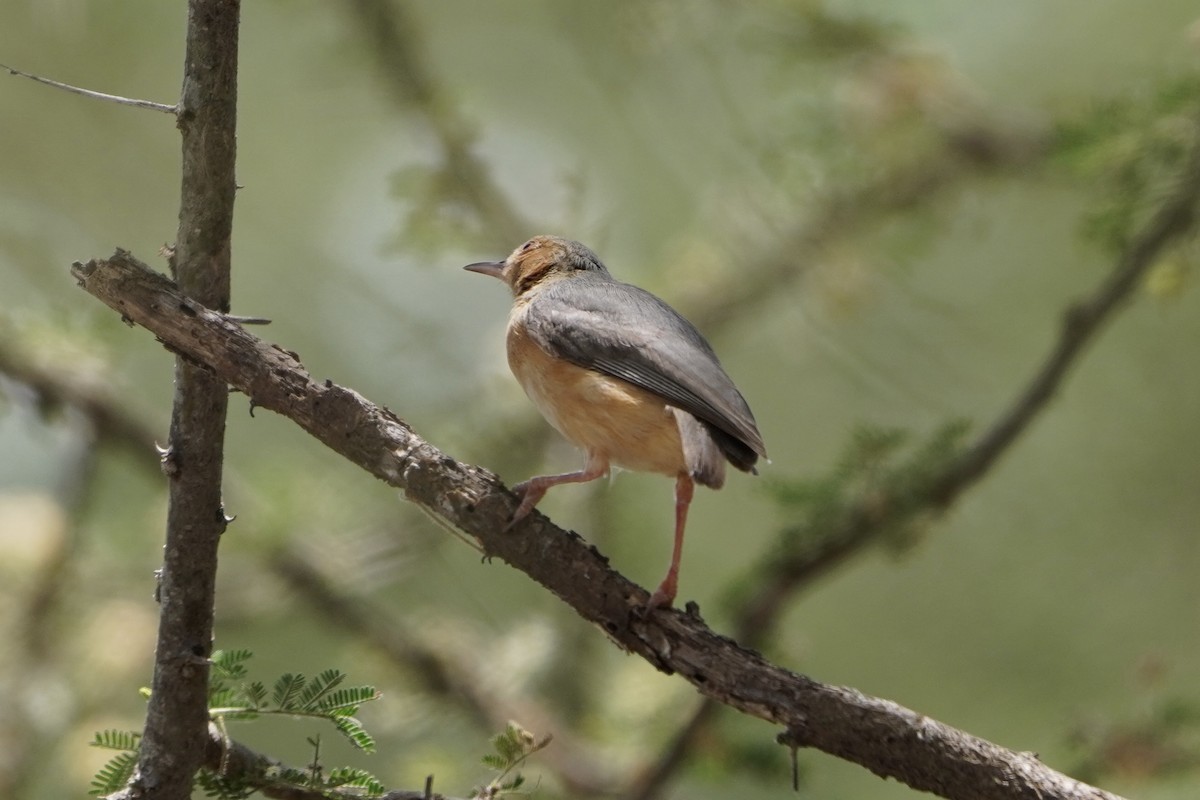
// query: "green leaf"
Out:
[291,775]
[230,664]
[117,740]
[353,730]
[114,775]
[254,694]
[287,688]
[507,746]
[358,778]
[349,698]
[319,687]
[493,761]
[222,698]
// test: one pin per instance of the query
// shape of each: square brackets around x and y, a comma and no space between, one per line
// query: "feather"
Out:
[617,329]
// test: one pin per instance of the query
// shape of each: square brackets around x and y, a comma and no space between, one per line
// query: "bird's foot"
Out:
[662,597]
[530,492]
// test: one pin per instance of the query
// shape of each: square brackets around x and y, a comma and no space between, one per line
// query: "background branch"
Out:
[39,644]
[394,40]
[449,675]
[777,578]
[1173,220]
[110,422]
[962,153]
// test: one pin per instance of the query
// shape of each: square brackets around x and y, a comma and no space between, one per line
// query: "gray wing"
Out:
[626,332]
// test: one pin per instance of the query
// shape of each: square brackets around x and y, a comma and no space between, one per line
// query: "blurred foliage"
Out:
[1133,147]
[511,748]
[1161,738]
[875,471]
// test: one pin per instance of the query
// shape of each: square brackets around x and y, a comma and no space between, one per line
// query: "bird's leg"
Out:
[532,490]
[664,595]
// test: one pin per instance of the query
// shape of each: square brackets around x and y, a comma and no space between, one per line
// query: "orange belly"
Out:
[631,427]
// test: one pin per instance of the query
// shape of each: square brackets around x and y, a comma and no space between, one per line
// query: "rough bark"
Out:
[175,734]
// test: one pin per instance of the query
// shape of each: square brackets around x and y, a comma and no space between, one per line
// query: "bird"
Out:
[624,377]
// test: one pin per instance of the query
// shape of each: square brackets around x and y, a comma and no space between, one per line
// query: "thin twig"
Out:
[109,98]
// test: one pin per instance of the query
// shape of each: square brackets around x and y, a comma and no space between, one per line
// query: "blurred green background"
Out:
[695,147]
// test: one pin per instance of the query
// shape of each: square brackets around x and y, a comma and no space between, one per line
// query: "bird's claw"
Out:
[659,599]
[530,494]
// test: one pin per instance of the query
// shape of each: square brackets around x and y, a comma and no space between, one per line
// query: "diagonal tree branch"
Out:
[884,737]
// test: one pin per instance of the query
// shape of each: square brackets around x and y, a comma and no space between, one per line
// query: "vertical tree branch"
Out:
[175,737]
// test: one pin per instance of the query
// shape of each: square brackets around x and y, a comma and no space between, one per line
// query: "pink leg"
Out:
[532,490]
[664,595]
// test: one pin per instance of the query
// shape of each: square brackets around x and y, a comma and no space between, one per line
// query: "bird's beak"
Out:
[493,268]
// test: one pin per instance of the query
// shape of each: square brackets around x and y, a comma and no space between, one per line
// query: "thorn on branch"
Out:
[168,461]
[167,251]
[794,738]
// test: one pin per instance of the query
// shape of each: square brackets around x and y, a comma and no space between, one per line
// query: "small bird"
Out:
[621,375]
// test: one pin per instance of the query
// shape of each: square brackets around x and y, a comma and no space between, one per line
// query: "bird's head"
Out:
[541,259]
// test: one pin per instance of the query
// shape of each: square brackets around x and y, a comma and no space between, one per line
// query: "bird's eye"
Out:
[527,246]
